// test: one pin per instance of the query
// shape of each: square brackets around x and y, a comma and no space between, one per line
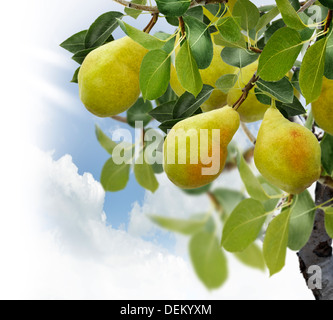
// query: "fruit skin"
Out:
[251,109]
[187,175]
[322,109]
[209,76]
[109,77]
[287,154]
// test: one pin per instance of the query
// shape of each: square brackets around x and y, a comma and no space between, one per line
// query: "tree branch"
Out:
[141,7]
[318,250]
[248,133]
[306,5]
[154,9]
[246,91]
[151,23]
[328,20]
[120,119]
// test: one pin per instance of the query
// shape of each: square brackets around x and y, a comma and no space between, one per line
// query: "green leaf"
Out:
[187,70]
[144,174]
[237,57]
[289,15]
[301,221]
[329,58]
[312,71]
[248,12]
[168,124]
[155,74]
[200,41]
[104,140]
[251,182]
[226,82]
[139,112]
[134,13]
[327,153]
[75,78]
[276,241]
[168,96]
[197,191]
[81,55]
[208,259]
[163,112]
[229,28]
[187,104]
[115,177]
[186,227]
[173,8]
[291,109]
[267,18]
[279,54]
[220,41]
[169,41]
[145,39]
[76,42]
[275,25]
[228,199]
[102,29]
[329,221]
[281,90]
[243,226]
[252,257]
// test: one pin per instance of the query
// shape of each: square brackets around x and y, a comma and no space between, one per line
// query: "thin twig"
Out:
[306,5]
[248,133]
[141,7]
[151,23]
[120,119]
[256,50]
[246,91]
[182,26]
[154,9]
[328,20]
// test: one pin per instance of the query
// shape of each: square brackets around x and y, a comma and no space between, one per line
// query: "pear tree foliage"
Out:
[260,222]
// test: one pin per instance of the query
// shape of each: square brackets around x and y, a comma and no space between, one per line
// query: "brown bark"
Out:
[318,250]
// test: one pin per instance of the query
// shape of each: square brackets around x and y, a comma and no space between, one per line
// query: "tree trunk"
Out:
[317,253]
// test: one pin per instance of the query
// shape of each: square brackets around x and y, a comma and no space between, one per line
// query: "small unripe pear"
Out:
[209,76]
[322,109]
[109,77]
[287,154]
[195,150]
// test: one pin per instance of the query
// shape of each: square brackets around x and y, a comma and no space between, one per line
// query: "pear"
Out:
[209,76]
[287,154]
[322,109]
[195,153]
[109,77]
[251,109]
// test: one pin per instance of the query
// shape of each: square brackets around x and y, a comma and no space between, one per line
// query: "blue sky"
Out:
[59,230]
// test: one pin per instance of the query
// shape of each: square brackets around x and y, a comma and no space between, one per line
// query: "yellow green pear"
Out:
[251,109]
[287,154]
[195,149]
[109,77]
[322,109]
[209,76]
